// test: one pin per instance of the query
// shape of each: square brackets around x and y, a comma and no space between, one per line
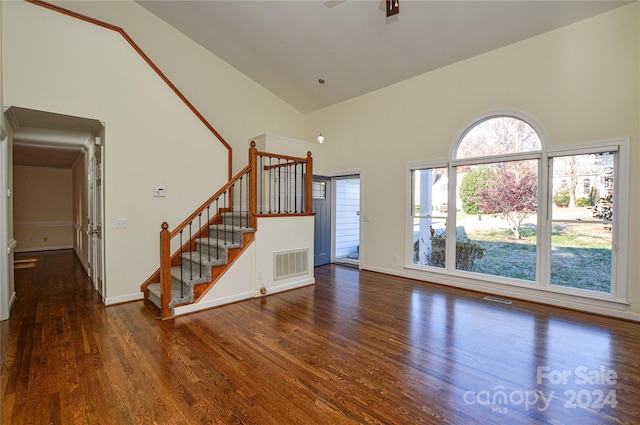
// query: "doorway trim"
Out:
[7,292]
[346,260]
[95,201]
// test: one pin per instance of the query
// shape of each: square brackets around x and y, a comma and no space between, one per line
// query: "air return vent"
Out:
[290,263]
[497,300]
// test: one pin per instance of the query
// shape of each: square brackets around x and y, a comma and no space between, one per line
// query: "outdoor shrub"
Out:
[562,197]
[583,202]
[467,252]
[604,210]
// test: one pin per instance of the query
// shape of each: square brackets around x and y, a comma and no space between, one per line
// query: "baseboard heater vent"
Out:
[290,263]
[498,300]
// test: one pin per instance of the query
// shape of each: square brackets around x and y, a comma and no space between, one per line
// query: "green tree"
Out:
[511,195]
[471,183]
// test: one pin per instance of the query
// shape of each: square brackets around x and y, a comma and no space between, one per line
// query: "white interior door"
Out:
[95,220]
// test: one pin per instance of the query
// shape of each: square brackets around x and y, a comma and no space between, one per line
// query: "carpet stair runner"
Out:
[197,266]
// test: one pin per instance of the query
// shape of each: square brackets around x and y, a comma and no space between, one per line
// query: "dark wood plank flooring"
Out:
[357,347]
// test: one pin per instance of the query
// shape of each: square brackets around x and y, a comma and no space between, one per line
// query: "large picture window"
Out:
[505,209]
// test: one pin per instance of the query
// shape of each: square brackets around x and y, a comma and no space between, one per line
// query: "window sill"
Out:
[530,291]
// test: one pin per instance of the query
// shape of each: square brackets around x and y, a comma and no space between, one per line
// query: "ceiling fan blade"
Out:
[393,7]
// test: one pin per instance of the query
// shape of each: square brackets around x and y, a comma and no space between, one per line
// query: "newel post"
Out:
[308,193]
[165,270]
[253,184]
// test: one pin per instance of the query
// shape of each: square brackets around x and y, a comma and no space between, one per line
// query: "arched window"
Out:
[498,135]
[509,213]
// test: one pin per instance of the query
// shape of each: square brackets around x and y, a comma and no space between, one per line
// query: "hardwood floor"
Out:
[357,347]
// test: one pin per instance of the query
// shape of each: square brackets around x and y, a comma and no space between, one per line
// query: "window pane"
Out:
[580,181]
[430,194]
[429,245]
[581,256]
[581,221]
[319,190]
[496,227]
[498,136]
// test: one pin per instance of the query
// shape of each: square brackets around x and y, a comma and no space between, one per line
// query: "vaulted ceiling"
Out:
[286,46]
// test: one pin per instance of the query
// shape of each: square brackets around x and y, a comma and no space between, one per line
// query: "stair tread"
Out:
[176,274]
[205,260]
[183,280]
[233,228]
[217,242]
[156,289]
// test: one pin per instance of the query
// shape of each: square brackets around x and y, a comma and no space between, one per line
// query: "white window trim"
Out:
[616,299]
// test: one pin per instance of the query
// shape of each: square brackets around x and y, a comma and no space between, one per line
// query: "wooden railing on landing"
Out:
[272,185]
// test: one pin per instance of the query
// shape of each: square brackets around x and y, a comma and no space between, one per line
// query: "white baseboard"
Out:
[12,300]
[44,248]
[286,287]
[124,299]
[192,308]
[548,298]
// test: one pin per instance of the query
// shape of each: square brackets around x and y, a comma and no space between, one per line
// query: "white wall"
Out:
[579,83]
[242,280]
[151,137]
[234,104]
[43,210]
[279,234]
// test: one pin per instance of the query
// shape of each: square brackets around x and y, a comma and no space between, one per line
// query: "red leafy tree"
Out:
[510,194]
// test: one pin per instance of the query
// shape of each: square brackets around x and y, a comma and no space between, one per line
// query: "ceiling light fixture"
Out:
[320,136]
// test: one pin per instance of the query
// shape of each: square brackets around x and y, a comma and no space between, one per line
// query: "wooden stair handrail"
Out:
[209,201]
[148,60]
[287,157]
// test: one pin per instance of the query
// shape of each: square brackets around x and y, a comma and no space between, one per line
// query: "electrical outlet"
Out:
[259,275]
[121,223]
[159,192]
[395,258]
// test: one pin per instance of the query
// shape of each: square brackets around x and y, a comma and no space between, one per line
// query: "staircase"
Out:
[211,239]
[200,268]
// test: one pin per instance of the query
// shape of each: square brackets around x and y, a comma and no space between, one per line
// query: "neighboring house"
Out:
[571,81]
[602,182]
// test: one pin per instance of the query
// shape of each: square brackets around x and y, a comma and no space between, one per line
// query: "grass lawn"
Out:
[580,257]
